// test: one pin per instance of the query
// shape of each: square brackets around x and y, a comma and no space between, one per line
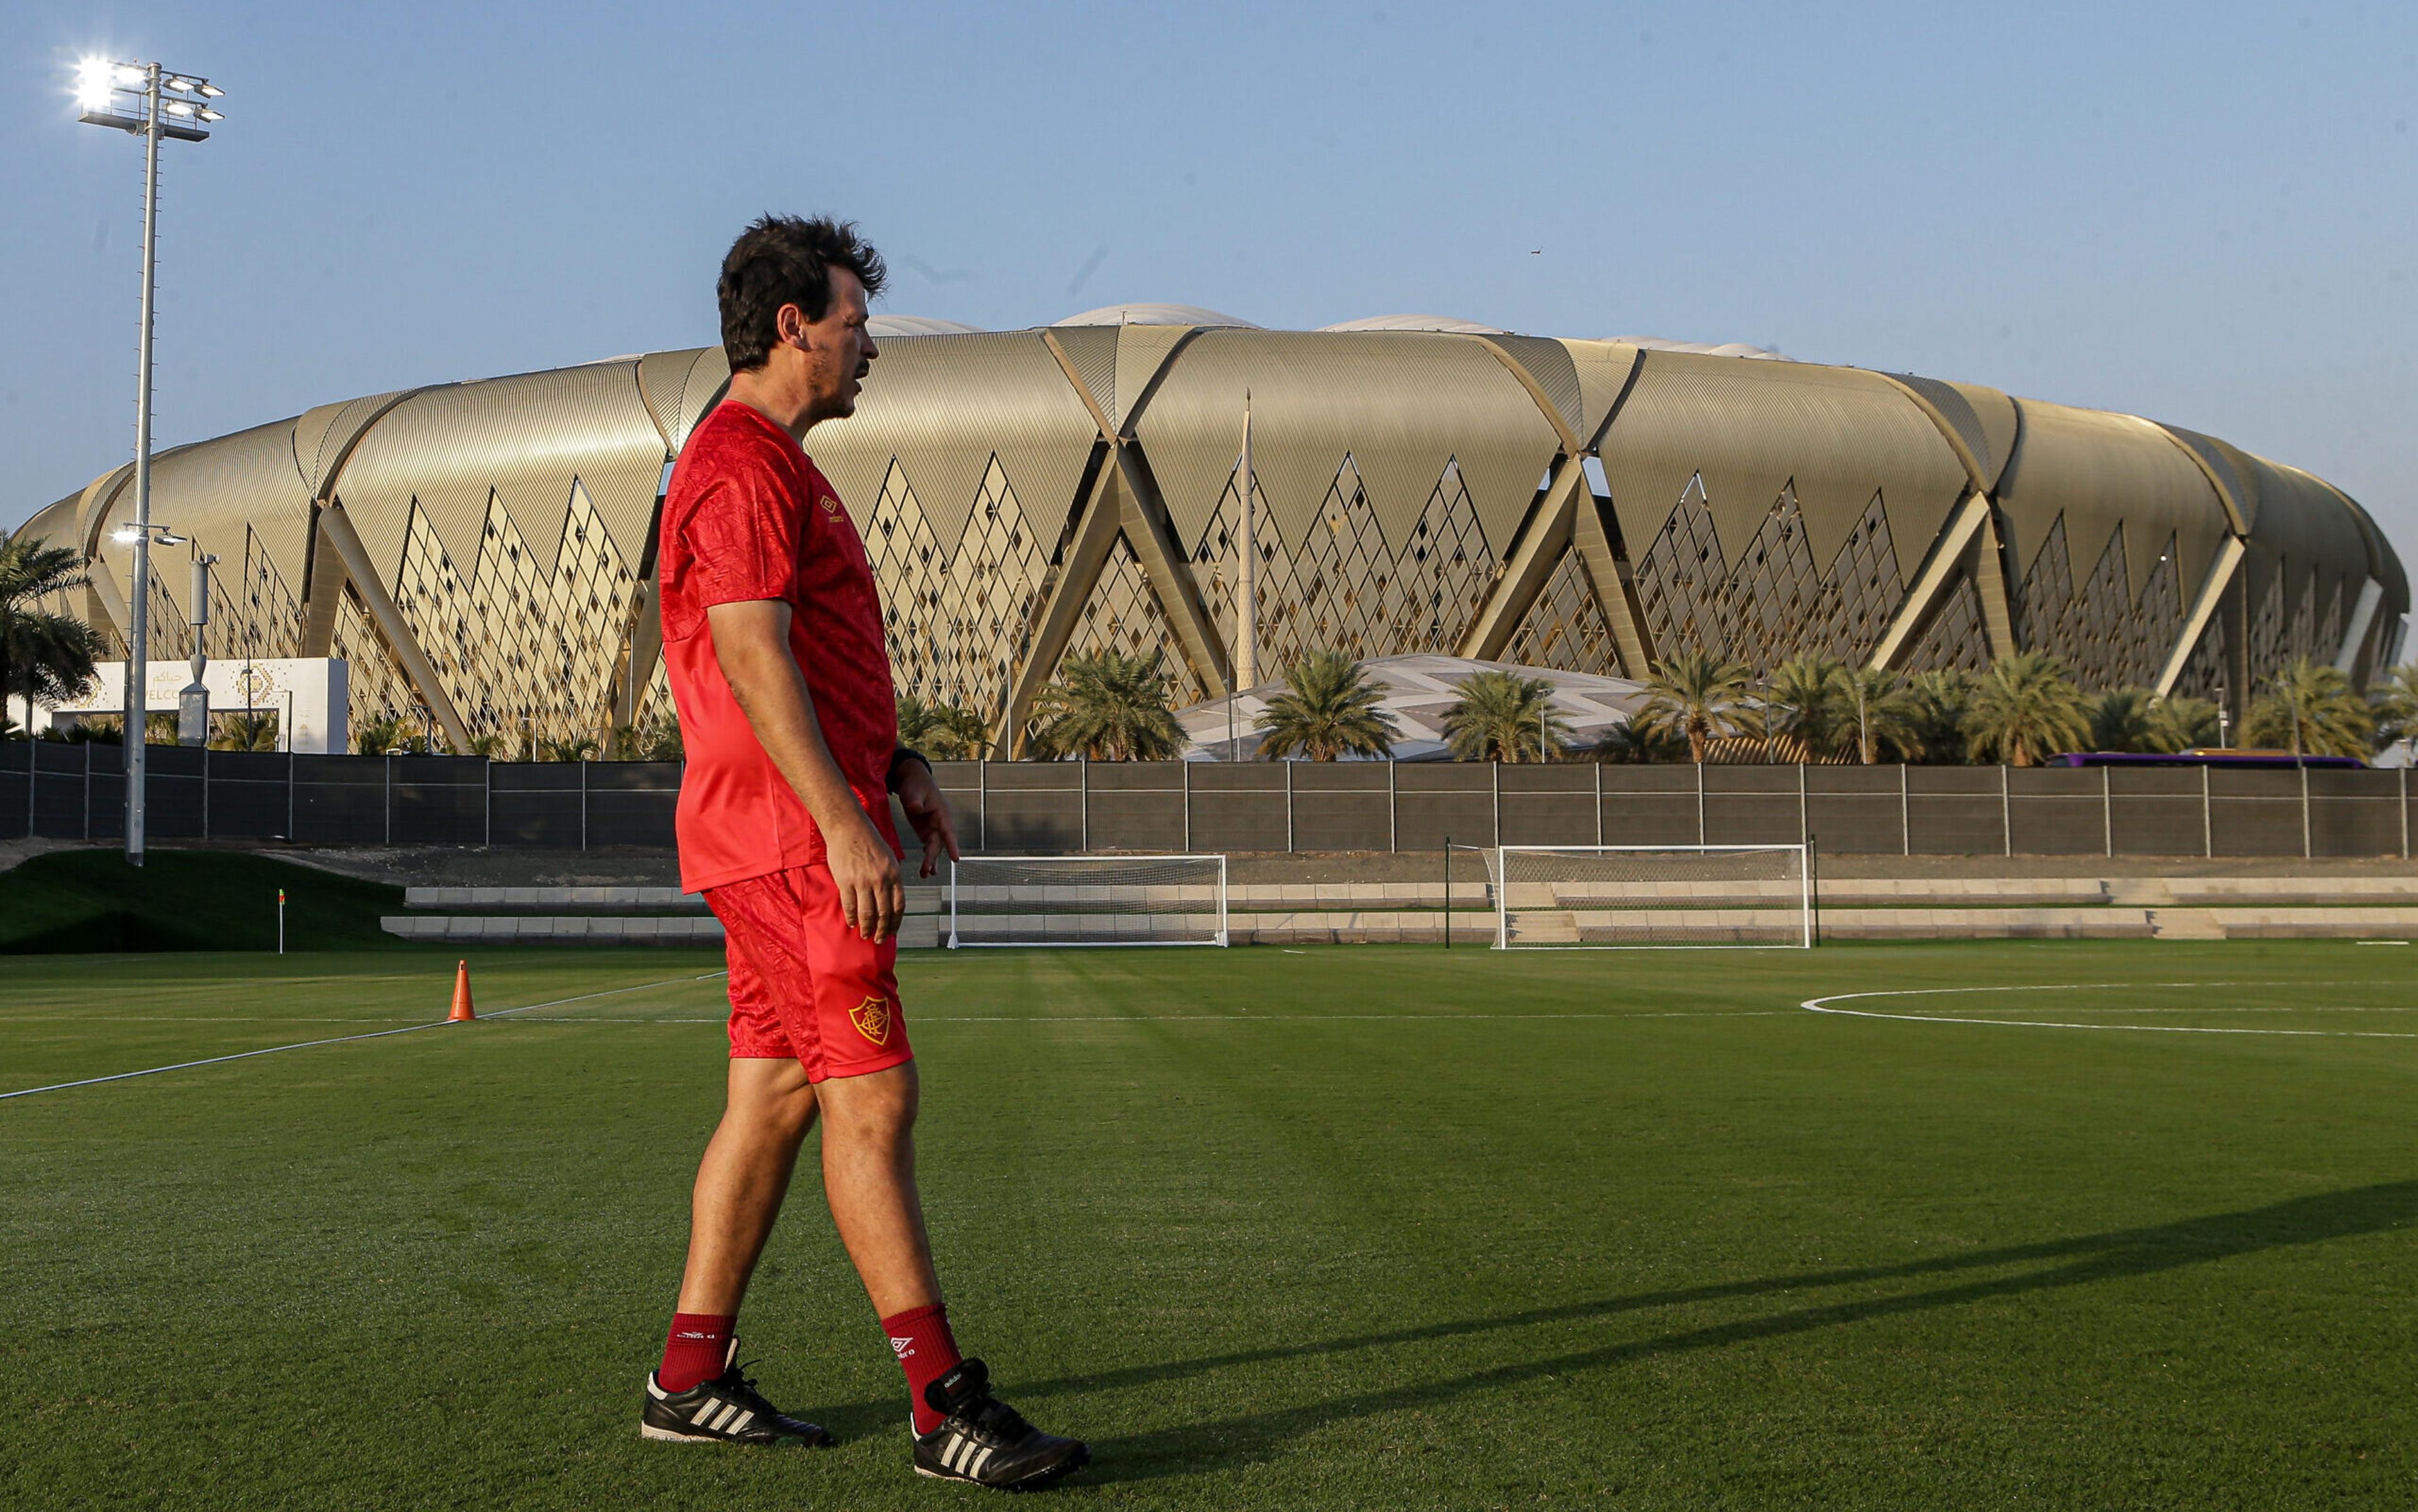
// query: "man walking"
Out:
[773,642]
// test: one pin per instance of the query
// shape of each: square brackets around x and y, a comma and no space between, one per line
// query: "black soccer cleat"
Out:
[726,1410]
[988,1443]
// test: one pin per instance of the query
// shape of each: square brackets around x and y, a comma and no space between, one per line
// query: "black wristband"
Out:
[907,752]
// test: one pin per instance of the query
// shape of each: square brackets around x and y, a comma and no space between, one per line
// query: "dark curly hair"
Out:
[785,259]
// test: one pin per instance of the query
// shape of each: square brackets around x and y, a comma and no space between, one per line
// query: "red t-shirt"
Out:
[750,517]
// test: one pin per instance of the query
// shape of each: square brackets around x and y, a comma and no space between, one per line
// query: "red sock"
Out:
[698,1348]
[927,1350]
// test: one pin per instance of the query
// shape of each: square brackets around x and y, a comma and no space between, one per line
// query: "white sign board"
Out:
[307,694]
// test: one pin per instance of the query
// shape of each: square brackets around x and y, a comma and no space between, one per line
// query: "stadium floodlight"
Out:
[156,104]
[1087,900]
[1605,896]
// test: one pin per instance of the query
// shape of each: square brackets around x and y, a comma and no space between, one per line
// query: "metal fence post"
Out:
[982,802]
[289,790]
[1700,803]
[1804,819]
[2006,810]
[2405,815]
[2107,809]
[1390,805]
[1186,767]
[1904,815]
[2304,811]
[1494,768]
[205,791]
[1288,772]
[1083,802]
[88,790]
[389,764]
[488,773]
[583,802]
[1599,803]
[2208,822]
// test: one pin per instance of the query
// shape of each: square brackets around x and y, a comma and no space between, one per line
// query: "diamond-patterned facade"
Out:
[959,615]
[1124,616]
[1566,628]
[1956,636]
[2105,638]
[1776,603]
[523,648]
[1347,588]
[375,684]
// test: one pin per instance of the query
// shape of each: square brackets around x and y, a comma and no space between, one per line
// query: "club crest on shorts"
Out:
[872,1020]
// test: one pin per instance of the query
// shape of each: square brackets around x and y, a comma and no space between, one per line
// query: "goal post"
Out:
[1609,896]
[1087,900]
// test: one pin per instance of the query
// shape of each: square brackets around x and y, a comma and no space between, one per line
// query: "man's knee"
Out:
[875,1108]
[772,1094]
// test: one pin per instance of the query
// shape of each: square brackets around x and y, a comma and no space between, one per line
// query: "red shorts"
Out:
[803,983]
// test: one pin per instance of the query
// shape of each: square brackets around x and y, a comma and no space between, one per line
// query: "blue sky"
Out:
[2201,213]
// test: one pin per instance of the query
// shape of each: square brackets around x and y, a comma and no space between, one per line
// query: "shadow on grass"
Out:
[1195,1447]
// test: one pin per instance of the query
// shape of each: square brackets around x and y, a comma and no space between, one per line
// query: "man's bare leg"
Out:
[740,1183]
[869,1179]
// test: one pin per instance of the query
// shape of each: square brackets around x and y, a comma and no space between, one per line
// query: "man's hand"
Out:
[928,812]
[871,897]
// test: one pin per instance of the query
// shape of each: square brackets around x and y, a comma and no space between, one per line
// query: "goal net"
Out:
[1087,900]
[1581,896]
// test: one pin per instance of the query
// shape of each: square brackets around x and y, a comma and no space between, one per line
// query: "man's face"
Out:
[837,349]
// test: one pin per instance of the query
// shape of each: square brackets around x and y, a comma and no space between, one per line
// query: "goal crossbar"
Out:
[1638,897]
[1087,901]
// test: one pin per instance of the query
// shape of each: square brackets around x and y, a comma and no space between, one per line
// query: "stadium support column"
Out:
[2204,608]
[1247,575]
[338,532]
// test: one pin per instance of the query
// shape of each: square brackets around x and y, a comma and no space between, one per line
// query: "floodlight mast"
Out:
[146,101]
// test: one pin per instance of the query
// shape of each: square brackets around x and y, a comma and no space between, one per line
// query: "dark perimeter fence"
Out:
[78,792]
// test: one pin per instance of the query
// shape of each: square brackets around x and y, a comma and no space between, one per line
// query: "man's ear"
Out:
[793,326]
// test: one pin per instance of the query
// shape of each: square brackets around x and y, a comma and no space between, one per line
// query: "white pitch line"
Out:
[340,1039]
[1821,1006]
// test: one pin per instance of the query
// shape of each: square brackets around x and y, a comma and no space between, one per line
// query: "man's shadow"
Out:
[1193,1446]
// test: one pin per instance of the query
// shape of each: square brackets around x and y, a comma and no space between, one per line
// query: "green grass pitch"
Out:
[1345,1227]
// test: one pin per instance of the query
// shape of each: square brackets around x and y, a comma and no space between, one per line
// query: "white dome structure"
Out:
[881,326]
[1442,322]
[1157,315]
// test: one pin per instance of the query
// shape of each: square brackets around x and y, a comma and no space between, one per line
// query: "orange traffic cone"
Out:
[463,1012]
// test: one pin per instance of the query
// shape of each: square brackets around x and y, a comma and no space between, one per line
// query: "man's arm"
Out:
[751,641]
[911,778]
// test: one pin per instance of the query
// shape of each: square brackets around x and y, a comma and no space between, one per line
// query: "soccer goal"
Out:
[1087,900]
[1605,896]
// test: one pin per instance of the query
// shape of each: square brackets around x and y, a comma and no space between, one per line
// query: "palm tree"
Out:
[2024,709]
[1502,716]
[1329,709]
[1108,707]
[2311,711]
[1935,703]
[1630,742]
[2181,723]
[488,743]
[949,732]
[1877,713]
[1693,694]
[44,657]
[567,748]
[1802,702]
[2122,719]
[2395,701]
[245,729]
[383,736]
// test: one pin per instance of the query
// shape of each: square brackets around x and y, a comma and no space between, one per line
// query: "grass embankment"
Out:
[185,900]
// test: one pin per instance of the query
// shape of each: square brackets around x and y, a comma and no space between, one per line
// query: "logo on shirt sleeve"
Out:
[831,505]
